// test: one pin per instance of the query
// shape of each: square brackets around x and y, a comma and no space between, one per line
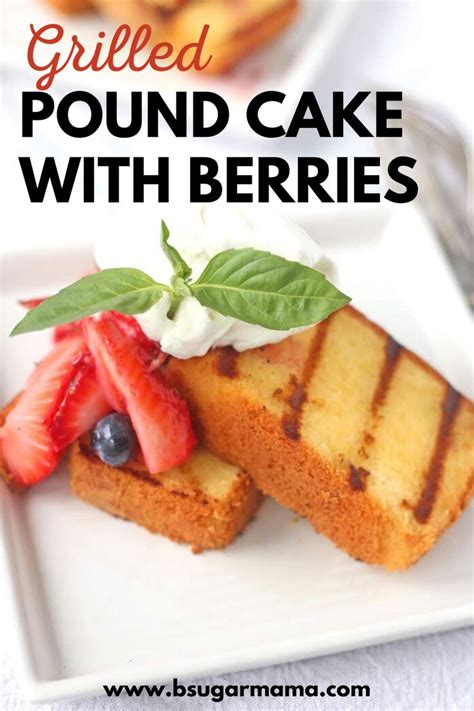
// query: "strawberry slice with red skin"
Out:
[95,334]
[28,448]
[31,303]
[64,330]
[82,404]
[150,351]
[160,417]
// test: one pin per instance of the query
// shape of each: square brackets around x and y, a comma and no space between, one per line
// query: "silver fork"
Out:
[444,175]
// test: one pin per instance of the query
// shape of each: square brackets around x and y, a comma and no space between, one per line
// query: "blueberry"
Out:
[113,439]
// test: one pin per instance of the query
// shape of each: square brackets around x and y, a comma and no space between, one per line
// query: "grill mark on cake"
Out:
[138,474]
[295,400]
[141,475]
[358,478]
[291,421]
[227,362]
[450,408]
[291,427]
[298,395]
[393,350]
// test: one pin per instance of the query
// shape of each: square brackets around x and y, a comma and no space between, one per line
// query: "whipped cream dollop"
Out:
[199,233]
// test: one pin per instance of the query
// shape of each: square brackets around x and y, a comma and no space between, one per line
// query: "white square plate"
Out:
[97,600]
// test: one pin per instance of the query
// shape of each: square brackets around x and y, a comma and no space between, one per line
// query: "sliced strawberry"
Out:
[81,406]
[150,351]
[31,303]
[159,415]
[27,446]
[94,333]
[64,330]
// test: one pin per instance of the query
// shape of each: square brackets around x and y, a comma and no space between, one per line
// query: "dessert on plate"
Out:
[291,391]
[235,28]
[205,502]
[197,498]
[344,426]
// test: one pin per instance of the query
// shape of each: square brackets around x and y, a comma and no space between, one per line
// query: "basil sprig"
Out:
[181,271]
[247,284]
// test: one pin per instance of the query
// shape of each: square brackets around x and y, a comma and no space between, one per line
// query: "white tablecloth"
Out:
[432,673]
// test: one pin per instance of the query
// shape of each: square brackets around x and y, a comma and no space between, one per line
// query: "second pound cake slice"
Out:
[204,502]
[344,426]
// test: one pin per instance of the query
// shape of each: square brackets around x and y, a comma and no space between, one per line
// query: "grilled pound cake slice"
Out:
[204,502]
[344,426]
[235,29]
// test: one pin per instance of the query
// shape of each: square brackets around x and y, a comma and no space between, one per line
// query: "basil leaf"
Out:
[264,289]
[180,268]
[129,291]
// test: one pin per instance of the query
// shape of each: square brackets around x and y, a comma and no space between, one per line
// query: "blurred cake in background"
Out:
[71,6]
[236,27]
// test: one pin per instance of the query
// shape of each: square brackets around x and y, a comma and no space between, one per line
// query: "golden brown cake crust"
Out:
[381,464]
[184,513]
[177,505]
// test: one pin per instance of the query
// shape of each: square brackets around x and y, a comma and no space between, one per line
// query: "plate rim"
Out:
[42,690]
